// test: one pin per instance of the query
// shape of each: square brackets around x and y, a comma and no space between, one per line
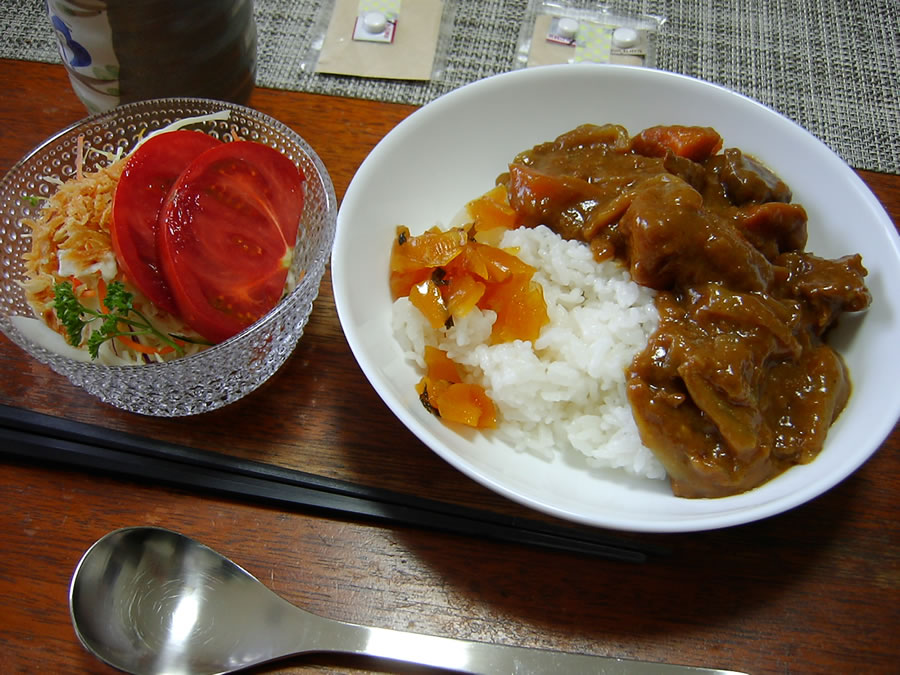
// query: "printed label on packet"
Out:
[562,30]
[376,20]
[629,46]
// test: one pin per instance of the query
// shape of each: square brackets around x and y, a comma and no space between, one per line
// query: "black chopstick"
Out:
[30,435]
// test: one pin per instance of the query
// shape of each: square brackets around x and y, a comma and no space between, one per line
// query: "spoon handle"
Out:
[481,657]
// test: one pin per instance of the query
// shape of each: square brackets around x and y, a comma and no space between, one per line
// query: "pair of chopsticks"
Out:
[35,436]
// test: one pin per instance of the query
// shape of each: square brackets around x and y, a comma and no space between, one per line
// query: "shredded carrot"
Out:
[144,349]
[79,156]
[101,294]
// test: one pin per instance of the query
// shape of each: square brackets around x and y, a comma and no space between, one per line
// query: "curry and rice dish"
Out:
[727,376]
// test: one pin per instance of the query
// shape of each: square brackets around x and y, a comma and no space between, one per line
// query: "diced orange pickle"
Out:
[432,389]
[467,404]
[433,249]
[446,274]
[462,294]
[439,366]
[403,282]
[492,210]
[502,264]
[489,263]
[413,259]
[469,262]
[404,272]
[520,307]
[400,262]
[492,237]
[426,297]
[488,419]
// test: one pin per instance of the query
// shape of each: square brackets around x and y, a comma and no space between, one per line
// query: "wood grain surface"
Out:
[814,590]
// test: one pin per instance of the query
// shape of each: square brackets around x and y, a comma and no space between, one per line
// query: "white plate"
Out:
[452,150]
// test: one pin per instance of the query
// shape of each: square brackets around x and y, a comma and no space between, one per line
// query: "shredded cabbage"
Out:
[178,124]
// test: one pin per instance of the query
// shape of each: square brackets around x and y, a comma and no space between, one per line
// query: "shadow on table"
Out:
[722,577]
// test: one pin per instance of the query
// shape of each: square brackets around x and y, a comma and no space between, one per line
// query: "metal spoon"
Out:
[148,600]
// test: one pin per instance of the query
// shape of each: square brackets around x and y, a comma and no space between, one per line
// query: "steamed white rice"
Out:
[566,392]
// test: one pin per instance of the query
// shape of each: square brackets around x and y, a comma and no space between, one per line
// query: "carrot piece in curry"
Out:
[694,143]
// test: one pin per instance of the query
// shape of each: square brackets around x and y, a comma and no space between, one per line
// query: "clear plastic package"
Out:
[571,32]
[386,39]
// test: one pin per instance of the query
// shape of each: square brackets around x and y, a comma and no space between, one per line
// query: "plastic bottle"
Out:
[118,51]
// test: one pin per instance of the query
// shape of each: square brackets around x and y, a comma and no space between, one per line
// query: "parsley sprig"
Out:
[121,320]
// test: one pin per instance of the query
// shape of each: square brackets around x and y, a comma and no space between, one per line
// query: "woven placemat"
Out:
[829,65]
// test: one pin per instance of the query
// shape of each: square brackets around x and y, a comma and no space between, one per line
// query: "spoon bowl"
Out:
[147,600]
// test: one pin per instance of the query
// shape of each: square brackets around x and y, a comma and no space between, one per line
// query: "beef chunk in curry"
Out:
[737,384]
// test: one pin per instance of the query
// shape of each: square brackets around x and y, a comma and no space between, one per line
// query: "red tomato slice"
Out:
[146,180]
[226,234]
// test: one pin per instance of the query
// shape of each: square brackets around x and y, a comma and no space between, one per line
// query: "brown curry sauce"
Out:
[737,383]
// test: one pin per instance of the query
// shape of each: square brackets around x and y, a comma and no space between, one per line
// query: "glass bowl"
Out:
[225,372]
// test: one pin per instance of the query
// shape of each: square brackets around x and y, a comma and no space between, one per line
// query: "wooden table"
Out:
[813,590]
